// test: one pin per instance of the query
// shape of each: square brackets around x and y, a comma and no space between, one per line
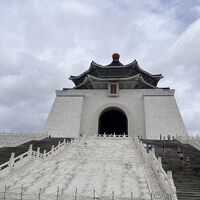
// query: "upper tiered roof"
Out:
[129,76]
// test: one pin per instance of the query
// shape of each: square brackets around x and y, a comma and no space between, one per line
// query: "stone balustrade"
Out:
[195,142]
[30,155]
[111,135]
[182,139]
[192,140]
[15,139]
[165,179]
[8,194]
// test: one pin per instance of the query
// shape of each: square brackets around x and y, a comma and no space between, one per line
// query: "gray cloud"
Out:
[44,42]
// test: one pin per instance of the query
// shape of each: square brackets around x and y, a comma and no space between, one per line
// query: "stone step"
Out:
[186,178]
[195,194]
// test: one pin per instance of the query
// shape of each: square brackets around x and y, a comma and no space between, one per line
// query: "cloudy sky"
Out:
[43,42]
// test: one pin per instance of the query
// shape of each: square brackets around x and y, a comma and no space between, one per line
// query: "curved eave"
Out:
[154,79]
[137,77]
[133,64]
[91,79]
[85,82]
[92,65]
[156,76]
[148,84]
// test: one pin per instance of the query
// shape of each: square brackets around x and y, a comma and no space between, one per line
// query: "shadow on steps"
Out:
[46,143]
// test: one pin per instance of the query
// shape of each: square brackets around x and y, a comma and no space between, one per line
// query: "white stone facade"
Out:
[150,112]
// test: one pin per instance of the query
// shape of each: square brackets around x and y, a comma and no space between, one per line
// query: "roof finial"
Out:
[115,57]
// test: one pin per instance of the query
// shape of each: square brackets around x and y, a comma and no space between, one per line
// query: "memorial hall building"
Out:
[115,99]
[109,140]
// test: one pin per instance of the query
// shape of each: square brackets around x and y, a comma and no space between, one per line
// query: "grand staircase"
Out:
[104,167]
[186,178]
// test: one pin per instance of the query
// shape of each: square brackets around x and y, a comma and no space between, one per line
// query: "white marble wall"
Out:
[162,116]
[64,118]
[76,112]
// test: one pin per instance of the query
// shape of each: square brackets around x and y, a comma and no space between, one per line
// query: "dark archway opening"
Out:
[113,120]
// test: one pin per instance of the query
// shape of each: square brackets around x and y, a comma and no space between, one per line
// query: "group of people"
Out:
[168,137]
[181,156]
[165,150]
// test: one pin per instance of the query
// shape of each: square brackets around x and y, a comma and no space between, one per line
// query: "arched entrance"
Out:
[113,120]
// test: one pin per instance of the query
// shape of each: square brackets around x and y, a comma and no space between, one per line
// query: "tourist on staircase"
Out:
[181,157]
[188,160]
[163,149]
[178,150]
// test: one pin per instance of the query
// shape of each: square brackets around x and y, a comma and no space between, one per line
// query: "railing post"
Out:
[38,152]
[44,153]
[131,195]
[75,194]
[4,195]
[169,175]
[169,178]
[64,142]
[153,150]
[21,194]
[39,194]
[113,195]
[160,161]
[11,163]
[52,149]
[30,151]
[21,157]
[93,194]
[57,194]
[59,145]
